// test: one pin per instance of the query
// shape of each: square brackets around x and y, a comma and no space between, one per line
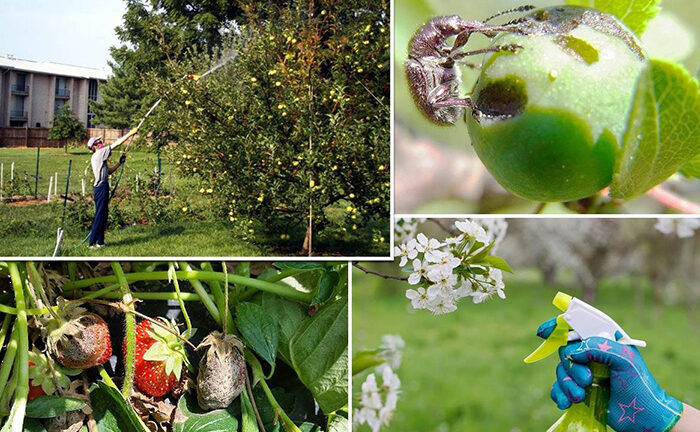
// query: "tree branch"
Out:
[439,223]
[376,273]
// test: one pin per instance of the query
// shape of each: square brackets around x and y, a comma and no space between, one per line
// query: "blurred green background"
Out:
[464,371]
[422,147]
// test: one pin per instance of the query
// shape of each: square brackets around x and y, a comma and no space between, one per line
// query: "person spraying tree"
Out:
[101,191]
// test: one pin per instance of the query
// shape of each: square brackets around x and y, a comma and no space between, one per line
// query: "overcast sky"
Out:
[77,32]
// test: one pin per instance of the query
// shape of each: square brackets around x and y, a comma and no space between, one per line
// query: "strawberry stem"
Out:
[106,378]
[8,360]
[21,375]
[130,331]
[259,284]
[203,295]
[35,281]
[176,284]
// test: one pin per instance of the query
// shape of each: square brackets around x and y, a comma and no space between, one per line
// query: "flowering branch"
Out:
[376,273]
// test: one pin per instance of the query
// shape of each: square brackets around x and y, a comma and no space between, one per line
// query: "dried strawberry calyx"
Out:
[221,345]
[169,347]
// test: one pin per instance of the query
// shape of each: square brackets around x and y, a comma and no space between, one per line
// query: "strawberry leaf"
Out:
[289,316]
[157,352]
[259,330]
[111,412]
[319,352]
[198,421]
[52,406]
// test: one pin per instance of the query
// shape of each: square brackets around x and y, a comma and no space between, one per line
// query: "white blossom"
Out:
[377,402]
[442,270]
[419,271]
[392,349]
[683,227]
[407,251]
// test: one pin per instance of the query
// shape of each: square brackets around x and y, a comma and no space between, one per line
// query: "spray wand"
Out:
[580,321]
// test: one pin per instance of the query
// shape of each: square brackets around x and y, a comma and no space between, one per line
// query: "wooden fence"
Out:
[38,137]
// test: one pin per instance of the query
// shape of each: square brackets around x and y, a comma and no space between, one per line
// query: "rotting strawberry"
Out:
[222,370]
[160,355]
[77,338]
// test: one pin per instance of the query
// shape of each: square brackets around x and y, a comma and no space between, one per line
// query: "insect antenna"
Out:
[526,8]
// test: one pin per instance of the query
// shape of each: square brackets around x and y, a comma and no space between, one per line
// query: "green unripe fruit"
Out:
[549,118]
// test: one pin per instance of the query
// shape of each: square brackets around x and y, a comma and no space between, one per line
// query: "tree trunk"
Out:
[307,248]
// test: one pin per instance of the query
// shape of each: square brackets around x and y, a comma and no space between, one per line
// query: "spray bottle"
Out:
[580,321]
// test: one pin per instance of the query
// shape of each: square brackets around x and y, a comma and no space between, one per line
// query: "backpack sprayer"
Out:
[130,134]
[580,321]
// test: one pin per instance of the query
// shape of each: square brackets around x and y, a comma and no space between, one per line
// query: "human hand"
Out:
[122,159]
[637,402]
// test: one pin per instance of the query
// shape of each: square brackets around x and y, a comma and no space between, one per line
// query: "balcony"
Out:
[62,93]
[18,115]
[20,89]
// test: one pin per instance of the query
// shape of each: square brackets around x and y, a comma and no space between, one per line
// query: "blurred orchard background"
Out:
[437,171]
[464,370]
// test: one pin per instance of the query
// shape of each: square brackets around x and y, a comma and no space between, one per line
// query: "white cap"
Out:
[92,141]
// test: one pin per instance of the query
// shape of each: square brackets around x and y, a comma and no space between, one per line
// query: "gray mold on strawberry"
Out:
[222,371]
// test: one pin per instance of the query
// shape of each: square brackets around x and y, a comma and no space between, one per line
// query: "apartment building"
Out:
[31,93]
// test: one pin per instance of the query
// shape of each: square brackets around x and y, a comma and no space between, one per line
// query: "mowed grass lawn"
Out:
[464,371]
[53,161]
[30,230]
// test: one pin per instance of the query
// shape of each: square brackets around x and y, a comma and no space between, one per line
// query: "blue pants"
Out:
[101,198]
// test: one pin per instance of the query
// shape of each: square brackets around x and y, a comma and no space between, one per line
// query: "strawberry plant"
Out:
[178,347]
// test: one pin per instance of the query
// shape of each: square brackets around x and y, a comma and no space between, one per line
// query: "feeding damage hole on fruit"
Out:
[502,99]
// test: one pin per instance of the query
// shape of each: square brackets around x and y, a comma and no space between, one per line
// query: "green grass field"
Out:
[53,161]
[30,230]
[464,371]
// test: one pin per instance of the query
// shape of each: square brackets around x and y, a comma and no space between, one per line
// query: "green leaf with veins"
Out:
[692,168]
[663,130]
[259,330]
[636,14]
[319,352]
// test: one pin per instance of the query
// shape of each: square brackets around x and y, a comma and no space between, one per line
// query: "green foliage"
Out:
[111,412]
[636,14]
[298,119]
[151,34]
[319,354]
[52,406]
[66,126]
[197,421]
[663,132]
[692,168]
[260,331]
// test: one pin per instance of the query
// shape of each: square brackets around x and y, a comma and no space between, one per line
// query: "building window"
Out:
[92,96]
[58,104]
[62,88]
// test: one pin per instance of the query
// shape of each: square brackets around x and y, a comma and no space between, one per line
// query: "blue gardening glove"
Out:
[637,403]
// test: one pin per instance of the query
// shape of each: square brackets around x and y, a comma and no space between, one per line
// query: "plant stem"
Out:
[203,295]
[3,331]
[105,376]
[176,284]
[130,331]
[376,273]
[186,296]
[673,201]
[35,279]
[8,360]
[281,290]
[16,419]
[287,423]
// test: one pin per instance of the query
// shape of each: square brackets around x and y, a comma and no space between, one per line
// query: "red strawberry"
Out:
[80,342]
[159,358]
[34,390]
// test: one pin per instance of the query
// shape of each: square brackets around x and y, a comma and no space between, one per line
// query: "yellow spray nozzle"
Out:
[558,338]
[562,300]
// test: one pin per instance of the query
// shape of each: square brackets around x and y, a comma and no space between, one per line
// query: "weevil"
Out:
[432,66]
